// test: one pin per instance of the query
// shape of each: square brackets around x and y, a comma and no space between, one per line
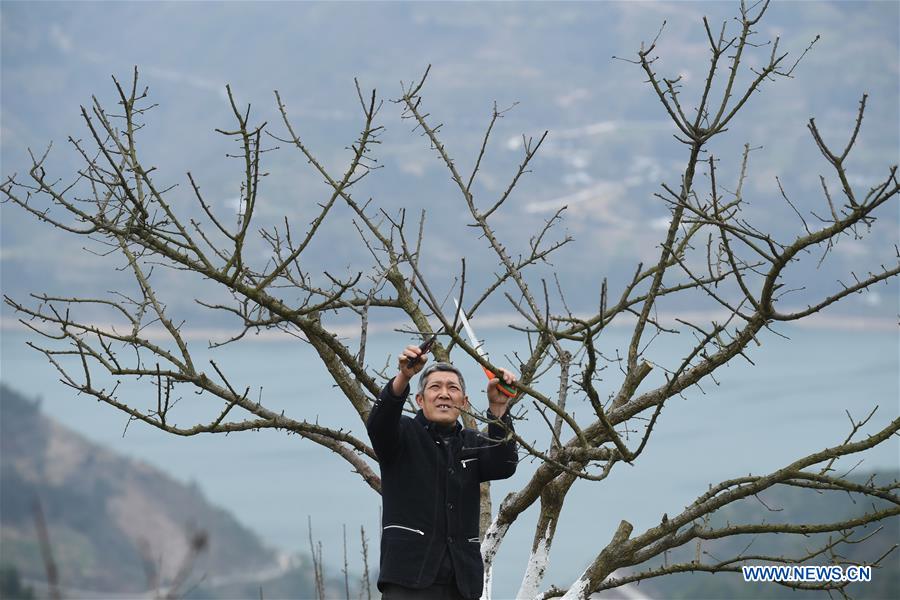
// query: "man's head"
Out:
[442,393]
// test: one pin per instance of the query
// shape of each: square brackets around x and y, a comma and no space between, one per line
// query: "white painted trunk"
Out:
[486,590]
[537,567]
[489,546]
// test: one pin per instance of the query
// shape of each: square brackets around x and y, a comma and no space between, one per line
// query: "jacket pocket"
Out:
[404,528]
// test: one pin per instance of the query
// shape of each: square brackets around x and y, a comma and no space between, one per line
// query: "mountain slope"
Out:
[114,524]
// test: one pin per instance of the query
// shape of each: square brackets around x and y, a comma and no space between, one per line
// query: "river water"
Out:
[759,418]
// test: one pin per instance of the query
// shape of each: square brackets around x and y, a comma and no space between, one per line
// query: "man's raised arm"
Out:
[383,423]
[499,460]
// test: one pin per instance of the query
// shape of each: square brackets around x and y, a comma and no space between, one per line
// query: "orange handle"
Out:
[504,388]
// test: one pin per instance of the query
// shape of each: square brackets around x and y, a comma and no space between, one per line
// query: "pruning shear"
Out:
[505,389]
[424,347]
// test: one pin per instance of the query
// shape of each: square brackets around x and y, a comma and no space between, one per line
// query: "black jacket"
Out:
[430,493]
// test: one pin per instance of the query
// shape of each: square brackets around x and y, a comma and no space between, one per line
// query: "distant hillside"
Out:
[609,147]
[118,525]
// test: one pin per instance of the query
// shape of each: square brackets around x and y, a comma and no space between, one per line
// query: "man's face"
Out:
[443,398]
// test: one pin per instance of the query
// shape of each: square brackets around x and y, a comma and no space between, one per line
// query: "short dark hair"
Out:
[440,366]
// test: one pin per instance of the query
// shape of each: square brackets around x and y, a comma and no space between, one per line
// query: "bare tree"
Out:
[709,251]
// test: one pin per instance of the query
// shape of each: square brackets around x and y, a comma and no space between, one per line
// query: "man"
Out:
[431,469]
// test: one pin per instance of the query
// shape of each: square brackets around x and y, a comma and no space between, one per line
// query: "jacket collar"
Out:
[433,428]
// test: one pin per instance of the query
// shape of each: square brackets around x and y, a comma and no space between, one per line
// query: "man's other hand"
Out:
[498,402]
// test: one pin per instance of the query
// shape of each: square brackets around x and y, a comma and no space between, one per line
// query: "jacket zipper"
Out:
[468,460]
[420,532]
[474,539]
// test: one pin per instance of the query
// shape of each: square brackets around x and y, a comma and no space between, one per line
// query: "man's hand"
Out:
[498,402]
[404,372]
